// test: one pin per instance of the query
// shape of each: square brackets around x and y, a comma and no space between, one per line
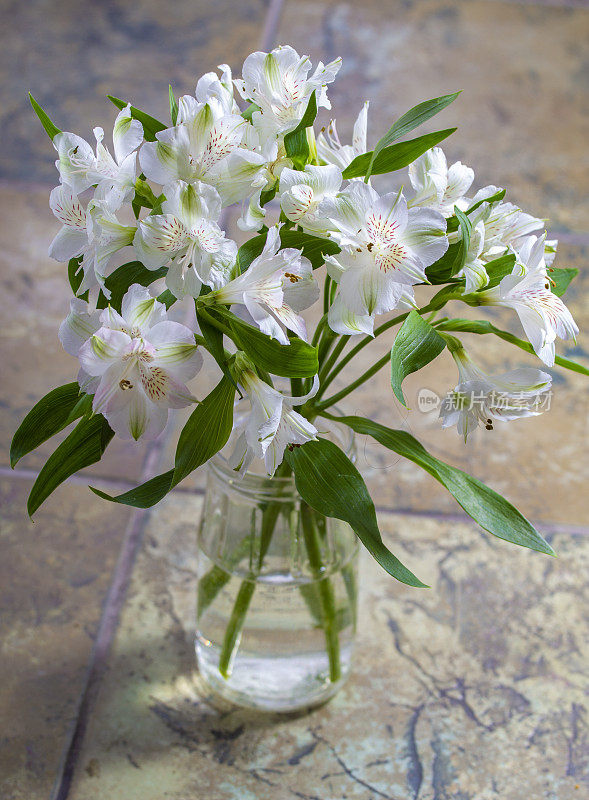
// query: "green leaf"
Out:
[85,445]
[409,121]
[249,251]
[205,433]
[249,111]
[415,345]
[492,512]
[214,340]
[313,247]
[561,278]
[51,129]
[47,417]
[295,360]
[296,143]
[482,326]
[167,298]
[327,481]
[151,126]
[75,274]
[446,267]
[173,105]
[119,281]
[498,268]
[144,496]
[394,157]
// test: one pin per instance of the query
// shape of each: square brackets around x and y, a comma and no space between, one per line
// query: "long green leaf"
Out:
[249,251]
[412,119]
[482,326]
[295,360]
[492,512]
[205,433]
[151,125]
[144,496]
[394,157]
[561,278]
[296,143]
[119,281]
[415,345]
[47,417]
[498,268]
[313,247]
[85,445]
[327,481]
[51,129]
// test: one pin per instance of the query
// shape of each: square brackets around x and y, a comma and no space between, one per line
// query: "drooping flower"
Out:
[188,238]
[332,151]
[309,198]
[92,233]
[385,249]
[279,84]
[271,425]
[438,186]
[80,167]
[527,291]
[136,362]
[277,285]
[480,399]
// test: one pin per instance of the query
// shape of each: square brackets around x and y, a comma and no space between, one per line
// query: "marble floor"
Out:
[479,690]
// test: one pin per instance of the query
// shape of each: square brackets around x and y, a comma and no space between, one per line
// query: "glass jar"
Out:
[277,597]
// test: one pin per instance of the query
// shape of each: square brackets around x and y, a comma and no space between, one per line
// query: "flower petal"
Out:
[127,134]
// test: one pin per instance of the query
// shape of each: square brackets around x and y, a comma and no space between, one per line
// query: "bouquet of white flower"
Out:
[258,146]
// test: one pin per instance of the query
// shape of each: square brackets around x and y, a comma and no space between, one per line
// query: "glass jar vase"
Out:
[277,596]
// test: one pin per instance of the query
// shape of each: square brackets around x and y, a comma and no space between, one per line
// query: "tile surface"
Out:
[492,659]
[522,117]
[54,576]
[71,54]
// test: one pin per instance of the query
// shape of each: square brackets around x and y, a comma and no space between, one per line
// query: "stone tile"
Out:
[72,54]
[36,296]
[522,117]
[54,576]
[477,690]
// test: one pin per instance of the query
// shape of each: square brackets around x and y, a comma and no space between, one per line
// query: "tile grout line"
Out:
[116,594]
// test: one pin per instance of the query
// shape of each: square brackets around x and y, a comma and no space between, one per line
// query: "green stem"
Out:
[354,385]
[324,371]
[270,514]
[325,589]
[326,294]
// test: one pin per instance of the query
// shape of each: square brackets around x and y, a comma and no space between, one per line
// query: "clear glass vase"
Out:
[277,598]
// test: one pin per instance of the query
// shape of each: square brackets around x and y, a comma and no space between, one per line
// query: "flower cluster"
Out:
[143,232]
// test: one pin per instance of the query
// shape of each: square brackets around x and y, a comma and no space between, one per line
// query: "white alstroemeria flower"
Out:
[187,237]
[94,233]
[474,267]
[139,360]
[196,146]
[80,167]
[276,286]
[385,248]
[309,198]
[479,399]
[437,185]
[332,151]
[506,226]
[542,313]
[271,425]
[221,89]
[279,84]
